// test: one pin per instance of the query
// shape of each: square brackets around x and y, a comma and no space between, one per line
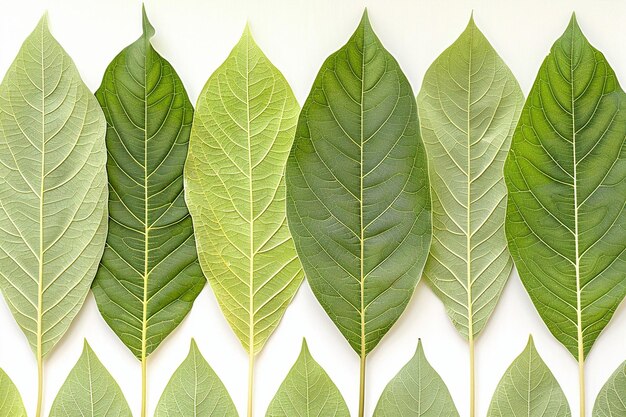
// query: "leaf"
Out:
[307,391]
[195,390]
[468,105]
[566,176]
[90,391]
[611,401]
[358,201]
[53,194]
[149,276]
[11,404]
[241,136]
[528,389]
[416,391]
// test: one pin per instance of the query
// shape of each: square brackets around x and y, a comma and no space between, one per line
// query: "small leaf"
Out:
[149,276]
[242,132]
[469,105]
[307,391]
[11,404]
[566,177]
[416,391]
[358,200]
[195,390]
[90,391]
[53,191]
[611,401]
[528,389]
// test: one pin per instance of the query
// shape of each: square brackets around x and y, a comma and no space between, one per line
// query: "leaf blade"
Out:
[52,212]
[210,397]
[149,275]
[611,400]
[362,282]
[91,390]
[307,391]
[416,391]
[469,105]
[11,404]
[241,136]
[564,176]
[528,389]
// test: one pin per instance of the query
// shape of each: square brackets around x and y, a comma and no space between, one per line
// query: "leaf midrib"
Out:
[41,206]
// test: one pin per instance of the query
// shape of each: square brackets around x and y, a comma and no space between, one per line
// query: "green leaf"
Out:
[241,136]
[195,390]
[90,391]
[611,401]
[416,391]
[469,105]
[11,404]
[358,201]
[53,193]
[528,389]
[149,276]
[307,391]
[566,176]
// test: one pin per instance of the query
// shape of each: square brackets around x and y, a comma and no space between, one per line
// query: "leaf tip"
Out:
[43,21]
[365,19]
[305,346]
[148,29]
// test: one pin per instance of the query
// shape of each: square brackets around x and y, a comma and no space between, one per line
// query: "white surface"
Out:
[196,36]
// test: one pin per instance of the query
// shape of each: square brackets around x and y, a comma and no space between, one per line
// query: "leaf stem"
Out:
[362,388]
[472,378]
[39,383]
[581,379]
[144,384]
[250,383]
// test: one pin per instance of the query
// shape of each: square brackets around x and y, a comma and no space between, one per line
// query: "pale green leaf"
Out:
[528,389]
[611,401]
[307,391]
[357,190]
[11,404]
[416,391]
[90,391]
[468,106]
[195,390]
[242,132]
[566,177]
[149,276]
[53,191]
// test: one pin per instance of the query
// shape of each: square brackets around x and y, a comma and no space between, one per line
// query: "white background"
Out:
[297,35]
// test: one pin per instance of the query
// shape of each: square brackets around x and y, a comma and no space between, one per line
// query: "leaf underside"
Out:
[195,390]
[90,391]
[358,201]
[149,275]
[469,105]
[611,401]
[416,391]
[566,177]
[528,389]
[53,191]
[11,404]
[307,391]
[242,132]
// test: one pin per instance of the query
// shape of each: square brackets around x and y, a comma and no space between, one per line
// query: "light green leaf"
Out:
[566,176]
[358,201]
[468,106]
[11,404]
[416,391]
[611,401]
[307,391]
[195,390]
[90,391]
[53,191]
[149,276]
[242,132]
[528,389]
